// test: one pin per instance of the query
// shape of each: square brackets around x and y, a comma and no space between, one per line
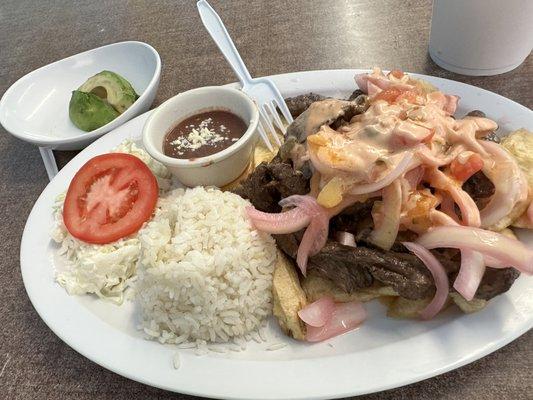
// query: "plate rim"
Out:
[231,394]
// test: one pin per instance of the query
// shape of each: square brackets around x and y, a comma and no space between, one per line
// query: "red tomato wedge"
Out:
[110,197]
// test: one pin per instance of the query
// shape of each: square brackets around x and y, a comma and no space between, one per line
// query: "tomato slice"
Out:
[110,197]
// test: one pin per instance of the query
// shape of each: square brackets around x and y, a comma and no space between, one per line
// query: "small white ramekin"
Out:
[220,168]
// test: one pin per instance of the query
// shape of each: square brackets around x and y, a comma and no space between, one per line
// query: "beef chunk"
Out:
[299,104]
[356,93]
[348,220]
[479,187]
[325,112]
[476,113]
[295,153]
[352,268]
[343,265]
[495,282]
[492,137]
[269,183]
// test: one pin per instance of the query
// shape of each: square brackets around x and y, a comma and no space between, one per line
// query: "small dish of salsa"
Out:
[205,136]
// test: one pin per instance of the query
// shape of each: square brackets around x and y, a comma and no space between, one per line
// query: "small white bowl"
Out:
[217,169]
[35,108]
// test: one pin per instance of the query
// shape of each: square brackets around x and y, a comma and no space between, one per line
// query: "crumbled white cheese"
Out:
[197,138]
[200,136]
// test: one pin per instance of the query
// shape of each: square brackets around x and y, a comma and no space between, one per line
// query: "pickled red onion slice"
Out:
[279,223]
[469,210]
[306,213]
[439,277]
[314,238]
[472,263]
[387,226]
[509,181]
[470,273]
[508,251]
[318,313]
[345,317]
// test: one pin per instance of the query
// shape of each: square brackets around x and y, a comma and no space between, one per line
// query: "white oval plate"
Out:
[382,354]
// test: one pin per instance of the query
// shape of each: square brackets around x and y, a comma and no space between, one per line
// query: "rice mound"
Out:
[205,275]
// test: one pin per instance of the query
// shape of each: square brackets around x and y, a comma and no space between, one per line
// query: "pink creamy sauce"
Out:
[374,142]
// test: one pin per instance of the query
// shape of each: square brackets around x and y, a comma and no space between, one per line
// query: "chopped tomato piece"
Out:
[110,197]
[396,73]
[389,95]
[408,95]
[464,169]
[395,94]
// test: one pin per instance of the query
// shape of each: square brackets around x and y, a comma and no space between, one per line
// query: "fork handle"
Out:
[220,35]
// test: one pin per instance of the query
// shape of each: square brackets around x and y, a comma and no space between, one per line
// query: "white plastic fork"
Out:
[262,90]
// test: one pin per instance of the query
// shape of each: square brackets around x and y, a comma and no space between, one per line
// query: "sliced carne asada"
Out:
[355,94]
[299,104]
[271,182]
[479,187]
[324,112]
[495,282]
[355,268]
[349,219]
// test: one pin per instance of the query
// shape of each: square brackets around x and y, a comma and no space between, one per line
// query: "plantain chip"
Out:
[520,144]
[289,298]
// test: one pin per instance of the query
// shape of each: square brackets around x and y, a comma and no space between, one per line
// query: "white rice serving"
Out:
[205,274]
[105,270]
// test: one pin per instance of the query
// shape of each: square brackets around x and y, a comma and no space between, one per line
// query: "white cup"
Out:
[481,37]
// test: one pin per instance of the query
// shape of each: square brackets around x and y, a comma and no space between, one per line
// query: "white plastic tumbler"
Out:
[481,37]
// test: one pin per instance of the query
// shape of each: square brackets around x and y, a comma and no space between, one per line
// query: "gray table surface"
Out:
[273,37]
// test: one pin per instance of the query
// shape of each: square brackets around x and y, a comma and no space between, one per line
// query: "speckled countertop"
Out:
[273,37]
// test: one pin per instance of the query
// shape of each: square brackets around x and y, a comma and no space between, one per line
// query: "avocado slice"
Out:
[89,112]
[111,87]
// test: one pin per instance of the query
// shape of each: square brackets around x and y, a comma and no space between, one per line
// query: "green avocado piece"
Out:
[89,112]
[113,88]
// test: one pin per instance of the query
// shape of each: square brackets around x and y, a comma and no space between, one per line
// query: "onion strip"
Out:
[469,210]
[439,277]
[509,181]
[472,263]
[470,274]
[280,223]
[386,229]
[345,317]
[318,313]
[495,245]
